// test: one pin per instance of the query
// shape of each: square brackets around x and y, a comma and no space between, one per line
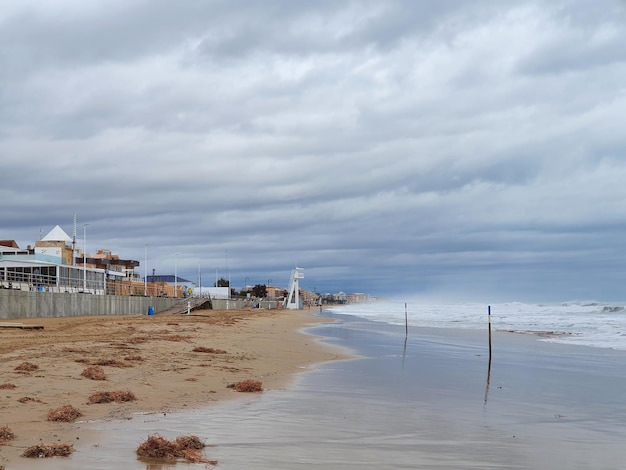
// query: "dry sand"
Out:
[155,361]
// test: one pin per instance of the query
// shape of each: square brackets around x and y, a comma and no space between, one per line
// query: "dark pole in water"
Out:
[406,336]
[406,320]
[489,367]
[489,314]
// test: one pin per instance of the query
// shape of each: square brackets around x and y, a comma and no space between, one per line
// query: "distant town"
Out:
[56,264]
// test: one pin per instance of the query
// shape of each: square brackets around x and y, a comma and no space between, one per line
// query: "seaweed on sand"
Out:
[6,435]
[111,363]
[247,386]
[134,357]
[204,349]
[30,399]
[26,367]
[183,447]
[49,450]
[65,413]
[94,373]
[118,396]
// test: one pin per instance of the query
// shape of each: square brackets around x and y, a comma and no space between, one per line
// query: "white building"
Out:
[49,267]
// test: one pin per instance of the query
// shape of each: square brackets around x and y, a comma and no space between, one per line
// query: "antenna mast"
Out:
[74,242]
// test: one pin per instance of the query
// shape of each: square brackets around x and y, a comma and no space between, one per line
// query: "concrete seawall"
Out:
[237,304]
[15,304]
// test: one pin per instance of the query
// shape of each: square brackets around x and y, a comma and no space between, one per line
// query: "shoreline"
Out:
[537,405]
[151,356]
[426,400]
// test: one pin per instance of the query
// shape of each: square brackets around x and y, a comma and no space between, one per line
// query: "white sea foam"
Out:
[593,324]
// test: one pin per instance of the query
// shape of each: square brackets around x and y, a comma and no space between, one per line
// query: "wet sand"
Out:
[151,356]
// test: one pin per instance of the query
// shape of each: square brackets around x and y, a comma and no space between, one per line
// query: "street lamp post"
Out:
[199,281]
[85,257]
[176,275]
[145,272]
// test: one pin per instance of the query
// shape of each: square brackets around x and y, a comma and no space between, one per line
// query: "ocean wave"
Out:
[612,309]
[586,323]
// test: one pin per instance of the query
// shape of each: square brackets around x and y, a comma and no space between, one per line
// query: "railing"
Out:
[150,289]
[91,282]
[73,280]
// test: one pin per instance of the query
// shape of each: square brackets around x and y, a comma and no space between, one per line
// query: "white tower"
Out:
[293,300]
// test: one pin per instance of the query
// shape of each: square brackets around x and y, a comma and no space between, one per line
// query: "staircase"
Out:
[192,303]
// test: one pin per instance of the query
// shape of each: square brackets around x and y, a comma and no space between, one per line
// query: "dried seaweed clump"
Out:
[184,447]
[29,399]
[26,367]
[118,396]
[6,435]
[137,340]
[49,450]
[66,413]
[134,357]
[94,373]
[203,349]
[175,338]
[7,386]
[247,386]
[74,350]
[112,363]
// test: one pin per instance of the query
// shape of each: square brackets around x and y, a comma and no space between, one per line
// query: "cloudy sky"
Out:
[458,149]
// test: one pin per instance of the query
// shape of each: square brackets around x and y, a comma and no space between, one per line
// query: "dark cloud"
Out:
[466,149]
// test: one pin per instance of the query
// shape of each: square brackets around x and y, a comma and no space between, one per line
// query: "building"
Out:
[273,292]
[54,265]
[9,247]
[357,298]
[168,286]
[114,266]
[56,247]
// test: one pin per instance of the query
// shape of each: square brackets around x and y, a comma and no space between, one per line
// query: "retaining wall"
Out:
[15,304]
[231,304]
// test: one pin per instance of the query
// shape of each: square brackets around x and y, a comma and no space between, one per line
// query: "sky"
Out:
[462,150]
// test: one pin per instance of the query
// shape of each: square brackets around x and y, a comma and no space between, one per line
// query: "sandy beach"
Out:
[426,400]
[168,362]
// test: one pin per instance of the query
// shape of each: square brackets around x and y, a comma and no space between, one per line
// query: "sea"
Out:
[421,391]
[595,324]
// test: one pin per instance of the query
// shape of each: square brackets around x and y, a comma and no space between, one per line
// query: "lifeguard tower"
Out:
[292,301]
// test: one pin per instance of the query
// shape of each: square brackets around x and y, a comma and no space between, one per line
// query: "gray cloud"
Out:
[458,149]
